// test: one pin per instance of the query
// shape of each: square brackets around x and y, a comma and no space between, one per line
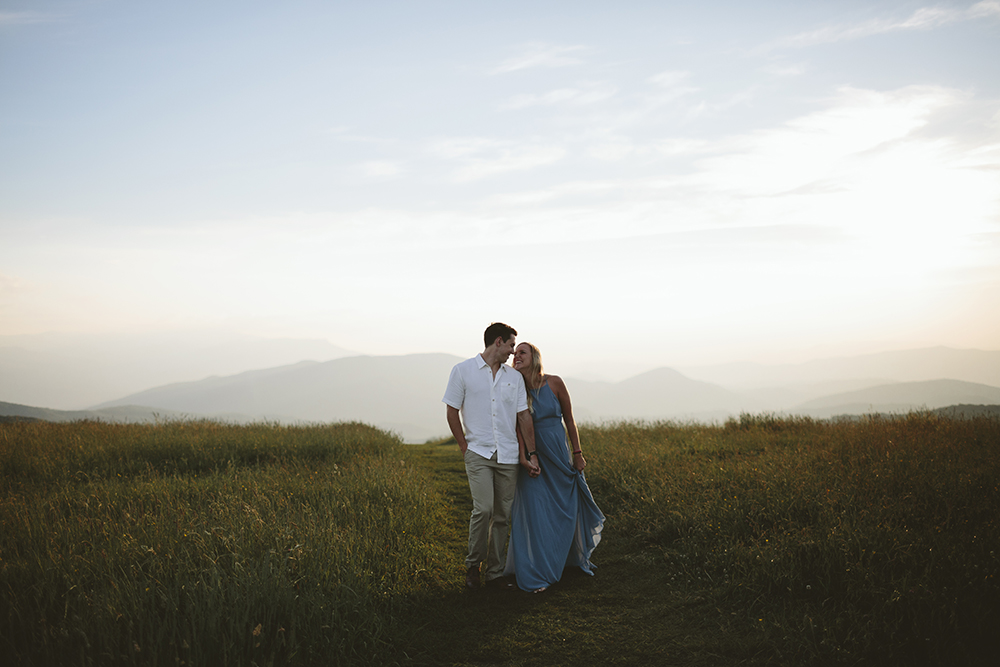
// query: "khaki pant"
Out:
[492,485]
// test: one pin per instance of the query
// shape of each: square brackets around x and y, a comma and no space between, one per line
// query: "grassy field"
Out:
[761,541]
[203,544]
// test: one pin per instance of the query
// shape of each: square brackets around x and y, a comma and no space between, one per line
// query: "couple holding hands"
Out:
[508,422]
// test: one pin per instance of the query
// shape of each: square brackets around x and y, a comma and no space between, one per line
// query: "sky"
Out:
[628,184]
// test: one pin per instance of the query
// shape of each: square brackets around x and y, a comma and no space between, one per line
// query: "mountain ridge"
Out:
[73,371]
[402,393]
[901,397]
[911,365]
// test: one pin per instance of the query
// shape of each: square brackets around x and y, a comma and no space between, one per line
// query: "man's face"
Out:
[506,349]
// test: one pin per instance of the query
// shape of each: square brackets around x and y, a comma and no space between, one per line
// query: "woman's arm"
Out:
[558,388]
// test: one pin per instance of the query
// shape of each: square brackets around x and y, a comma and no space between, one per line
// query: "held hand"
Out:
[579,462]
[531,466]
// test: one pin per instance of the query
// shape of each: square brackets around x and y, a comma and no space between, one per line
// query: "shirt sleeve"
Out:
[454,395]
[522,394]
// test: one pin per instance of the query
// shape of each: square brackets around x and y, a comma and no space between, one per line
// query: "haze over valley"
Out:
[402,393]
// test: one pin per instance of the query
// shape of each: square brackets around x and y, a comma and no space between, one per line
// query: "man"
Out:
[493,403]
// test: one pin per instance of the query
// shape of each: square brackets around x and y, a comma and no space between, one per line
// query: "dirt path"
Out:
[628,614]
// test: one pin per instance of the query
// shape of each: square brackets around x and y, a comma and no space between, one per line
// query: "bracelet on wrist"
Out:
[577,451]
[529,455]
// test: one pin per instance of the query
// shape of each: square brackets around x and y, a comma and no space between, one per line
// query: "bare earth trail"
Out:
[630,613]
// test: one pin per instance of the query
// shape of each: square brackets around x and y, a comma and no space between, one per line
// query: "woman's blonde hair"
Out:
[534,372]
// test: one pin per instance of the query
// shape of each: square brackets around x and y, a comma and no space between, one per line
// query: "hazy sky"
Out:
[626,183]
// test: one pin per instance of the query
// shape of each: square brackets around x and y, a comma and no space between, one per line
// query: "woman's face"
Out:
[522,357]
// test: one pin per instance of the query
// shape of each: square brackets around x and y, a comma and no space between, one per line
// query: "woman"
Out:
[555,522]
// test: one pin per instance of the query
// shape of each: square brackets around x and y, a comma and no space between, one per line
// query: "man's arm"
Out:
[455,424]
[530,463]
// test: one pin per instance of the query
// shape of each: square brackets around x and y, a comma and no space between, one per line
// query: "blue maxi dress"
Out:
[555,522]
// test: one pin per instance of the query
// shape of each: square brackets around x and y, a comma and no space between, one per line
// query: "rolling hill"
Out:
[403,394]
[124,413]
[918,365]
[399,393]
[902,397]
[71,372]
[658,394]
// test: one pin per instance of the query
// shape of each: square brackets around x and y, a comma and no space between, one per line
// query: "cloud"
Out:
[345,134]
[587,94]
[925,18]
[815,146]
[763,234]
[480,157]
[785,70]
[10,285]
[509,159]
[461,147]
[381,168]
[612,149]
[671,84]
[539,55]
[984,9]
[664,95]
[25,18]
[669,79]
[677,147]
[864,164]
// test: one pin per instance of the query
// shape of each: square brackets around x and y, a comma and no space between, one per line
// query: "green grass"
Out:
[197,543]
[872,542]
[761,541]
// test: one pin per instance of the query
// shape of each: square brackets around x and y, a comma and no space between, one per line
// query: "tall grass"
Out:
[768,541]
[200,543]
[875,541]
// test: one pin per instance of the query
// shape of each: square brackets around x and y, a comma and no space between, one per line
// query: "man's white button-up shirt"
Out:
[489,406]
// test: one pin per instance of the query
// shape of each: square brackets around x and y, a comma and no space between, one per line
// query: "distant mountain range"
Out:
[658,394]
[902,397]
[403,394]
[72,371]
[125,413]
[931,363]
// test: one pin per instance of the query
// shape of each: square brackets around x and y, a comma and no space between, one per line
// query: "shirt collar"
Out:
[482,362]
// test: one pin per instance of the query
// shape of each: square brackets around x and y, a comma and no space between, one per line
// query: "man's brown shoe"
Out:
[472,578]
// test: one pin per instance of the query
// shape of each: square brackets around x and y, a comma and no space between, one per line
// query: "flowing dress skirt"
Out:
[555,522]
